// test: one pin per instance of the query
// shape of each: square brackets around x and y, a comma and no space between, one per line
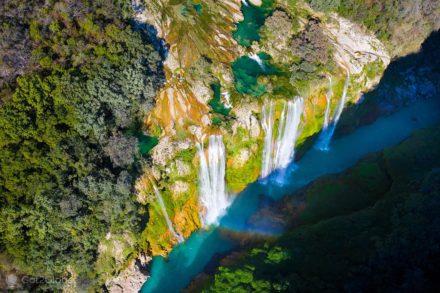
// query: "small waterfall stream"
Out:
[227,97]
[213,195]
[327,132]
[328,98]
[165,214]
[267,125]
[257,59]
[279,152]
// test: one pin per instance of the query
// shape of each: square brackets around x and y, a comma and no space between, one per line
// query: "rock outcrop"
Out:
[354,47]
[246,119]
[132,278]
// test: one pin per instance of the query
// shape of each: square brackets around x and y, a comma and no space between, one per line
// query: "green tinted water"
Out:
[248,30]
[247,71]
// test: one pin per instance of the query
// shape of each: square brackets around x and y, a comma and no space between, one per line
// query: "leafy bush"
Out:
[67,160]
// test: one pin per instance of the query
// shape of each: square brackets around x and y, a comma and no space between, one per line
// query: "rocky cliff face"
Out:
[306,46]
[132,278]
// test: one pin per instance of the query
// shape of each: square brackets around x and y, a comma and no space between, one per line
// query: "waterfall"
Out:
[327,133]
[257,59]
[267,125]
[245,2]
[165,214]
[277,154]
[227,97]
[328,98]
[213,195]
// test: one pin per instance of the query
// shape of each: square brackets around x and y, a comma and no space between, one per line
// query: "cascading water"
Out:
[327,132]
[257,59]
[328,98]
[227,97]
[165,214]
[267,125]
[213,195]
[245,3]
[277,154]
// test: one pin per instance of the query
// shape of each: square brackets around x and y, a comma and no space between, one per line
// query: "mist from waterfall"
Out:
[212,186]
[280,151]
[165,214]
[326,134]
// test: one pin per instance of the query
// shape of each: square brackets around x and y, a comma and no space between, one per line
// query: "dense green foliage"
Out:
[376,15]
[382,16]
[312,52]
[374,226]
[67,161]
[44,35]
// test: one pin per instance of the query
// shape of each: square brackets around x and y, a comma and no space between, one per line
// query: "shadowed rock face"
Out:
[372,226]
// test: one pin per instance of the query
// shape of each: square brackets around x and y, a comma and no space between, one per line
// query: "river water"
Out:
[189,258]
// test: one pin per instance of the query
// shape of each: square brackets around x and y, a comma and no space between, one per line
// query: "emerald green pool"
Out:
[215,103]
[248,30]
[146,143]
[247,71]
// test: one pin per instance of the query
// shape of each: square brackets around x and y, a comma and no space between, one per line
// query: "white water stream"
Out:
[165,214]
[327,132]
[212,186]
[280,151]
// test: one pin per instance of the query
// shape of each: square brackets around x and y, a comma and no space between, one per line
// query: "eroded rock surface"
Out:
[354,47]
[132,278]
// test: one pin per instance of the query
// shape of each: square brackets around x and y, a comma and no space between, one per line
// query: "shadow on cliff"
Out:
[406,80]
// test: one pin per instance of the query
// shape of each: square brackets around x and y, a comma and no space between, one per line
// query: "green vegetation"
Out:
[248,30]
[46,35]
[313,60]
[179,191]
[356,229]
[383,17]
[68,162]
[239,174]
